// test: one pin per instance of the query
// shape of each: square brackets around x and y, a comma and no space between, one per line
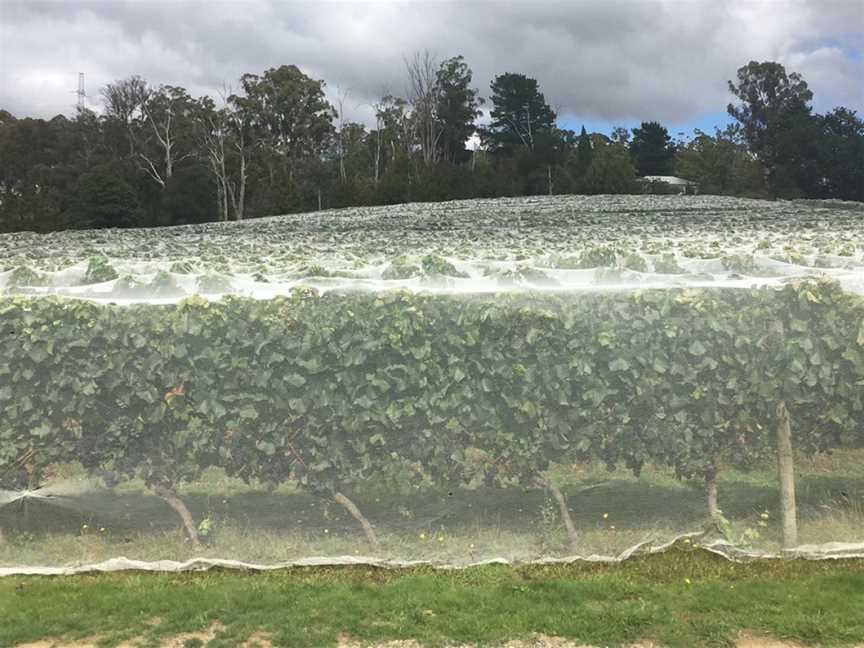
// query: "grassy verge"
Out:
[685,597]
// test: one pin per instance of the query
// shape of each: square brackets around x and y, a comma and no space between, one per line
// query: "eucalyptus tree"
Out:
[123,101]
[391,139]
[289,118]
[775,115]
[458,107]
[224,140]
[158,121]
[424,96]
[167,137]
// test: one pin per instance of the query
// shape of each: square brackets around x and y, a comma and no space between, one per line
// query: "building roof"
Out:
[672,180]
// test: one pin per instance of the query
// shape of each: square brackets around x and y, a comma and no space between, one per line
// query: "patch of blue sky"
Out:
[677,129]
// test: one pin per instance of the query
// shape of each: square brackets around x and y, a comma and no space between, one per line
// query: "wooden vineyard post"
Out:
[711,490]
[786,475]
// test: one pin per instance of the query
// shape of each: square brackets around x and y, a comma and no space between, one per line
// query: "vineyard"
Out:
[518,379]
[545,243]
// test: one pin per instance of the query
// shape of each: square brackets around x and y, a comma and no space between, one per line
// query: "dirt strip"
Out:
[262,640]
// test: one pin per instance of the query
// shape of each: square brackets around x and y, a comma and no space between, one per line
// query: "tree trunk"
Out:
[711,489]
[786,474]
[377,154]
[221,202]
[564,510]
[355,512]
[241,205]
[169,161]
[179,507]
[342,175]
[223,184]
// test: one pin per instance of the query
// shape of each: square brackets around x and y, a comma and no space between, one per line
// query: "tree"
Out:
[620,135]
[584,156]
[840,154]
[190,197]
[102,200]
[652,150]
[519,112]
[340,133]
[242,145]
[165,138]
[125,99]
[158,124]
[212,133]
[348,167]
[39,166]
[423,91]
[458,107]
[124,102]
[289,118]
[721,164]
[391,139]
[612,171]
[774,113]
[223,137]
[543,167]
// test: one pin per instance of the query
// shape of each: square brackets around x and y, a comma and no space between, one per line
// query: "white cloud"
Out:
[607,60]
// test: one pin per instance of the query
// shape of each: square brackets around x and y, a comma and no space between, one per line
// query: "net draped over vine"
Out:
[519,379]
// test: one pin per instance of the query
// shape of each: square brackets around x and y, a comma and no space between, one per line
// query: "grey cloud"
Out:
[611,60]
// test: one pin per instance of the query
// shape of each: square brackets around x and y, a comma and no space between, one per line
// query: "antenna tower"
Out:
[82,95]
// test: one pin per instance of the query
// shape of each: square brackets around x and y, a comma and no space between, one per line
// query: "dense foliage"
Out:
[400,387]
[158,156]
[652,150]
[473,342]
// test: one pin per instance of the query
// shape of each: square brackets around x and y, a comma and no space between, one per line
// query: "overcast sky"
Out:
[599,62]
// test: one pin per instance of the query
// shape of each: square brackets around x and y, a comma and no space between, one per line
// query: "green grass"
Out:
[684,597]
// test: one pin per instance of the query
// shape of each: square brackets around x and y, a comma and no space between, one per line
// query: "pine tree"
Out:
[583,154]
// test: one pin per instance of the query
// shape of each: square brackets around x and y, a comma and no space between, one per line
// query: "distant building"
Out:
[668,184]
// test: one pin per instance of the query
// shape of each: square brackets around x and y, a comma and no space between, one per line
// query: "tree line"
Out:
[275,144]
